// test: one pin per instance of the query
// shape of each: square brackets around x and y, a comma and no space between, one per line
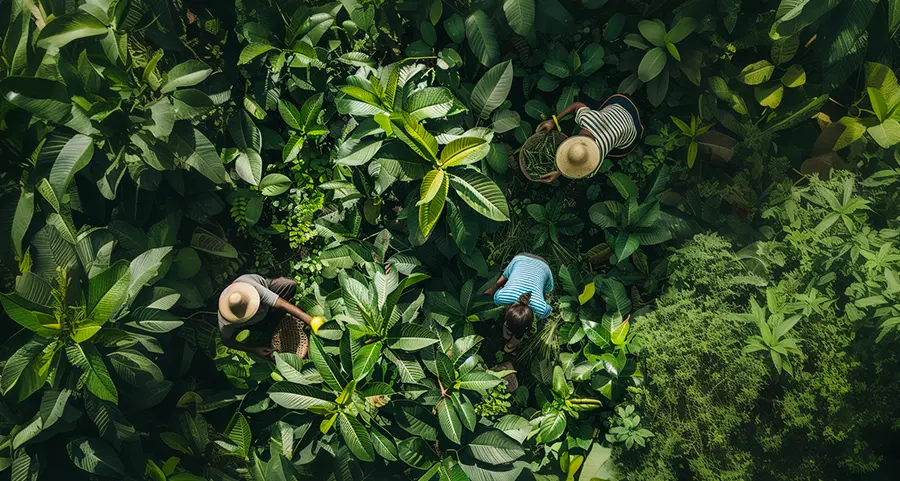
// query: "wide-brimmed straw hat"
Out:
[239,302]
[578,156]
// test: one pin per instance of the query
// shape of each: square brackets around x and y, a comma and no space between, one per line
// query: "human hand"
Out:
[549,177]
[263,352]
[545,126]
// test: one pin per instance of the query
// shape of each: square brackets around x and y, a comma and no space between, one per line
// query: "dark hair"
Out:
[519,316]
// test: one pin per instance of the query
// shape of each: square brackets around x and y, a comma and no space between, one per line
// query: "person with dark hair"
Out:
[522,287]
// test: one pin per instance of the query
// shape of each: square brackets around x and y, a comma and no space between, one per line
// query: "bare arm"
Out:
[293,310]
[549,125]
[497,285]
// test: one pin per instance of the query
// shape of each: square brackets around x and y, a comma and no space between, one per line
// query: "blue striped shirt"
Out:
[526,274]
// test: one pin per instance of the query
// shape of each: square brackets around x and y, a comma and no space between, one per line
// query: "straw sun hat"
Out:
[577,156]
[238,302]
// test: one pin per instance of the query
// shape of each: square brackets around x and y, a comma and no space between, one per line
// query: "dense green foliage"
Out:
[726,302]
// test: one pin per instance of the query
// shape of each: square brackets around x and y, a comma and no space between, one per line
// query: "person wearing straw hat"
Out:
[612,130]
[249,300]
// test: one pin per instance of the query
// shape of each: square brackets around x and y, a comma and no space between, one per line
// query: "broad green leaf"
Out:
[71,157]
[794,77]
[463,151]
[437,186]
[274,184]
[520,15]
[66,28]
[413,134]
[623,183]
[46,99]
[28,367]
[29,316]
[886,134]
[355,152]
[591,59]
[494,447]
[96,457]
[481,38]
[310,110]
[356,437]
[365,359]
[481,193]
[783,50]
[290,114]
[198,152]
[491,90]
[205,241]
[21,221]
[465,409]
[516,427]
[434,182]
[144,269]
[430,103]
[252,51]
[769,96]
[449,421]
[185,74]
[411,337]
[684,27]
[249,166]
[107,291]
[296,396]
[239,433]
[653,31]
[455,28]
[652,64]
[326,366]
[478,381]
[191,103]
[416,453]
[384,444]
[95,375]
[757,72]
[551,427]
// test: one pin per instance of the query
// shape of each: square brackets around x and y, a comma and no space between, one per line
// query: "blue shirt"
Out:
[526,274]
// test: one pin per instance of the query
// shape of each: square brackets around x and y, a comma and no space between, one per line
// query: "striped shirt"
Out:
[612,127]
[526,274]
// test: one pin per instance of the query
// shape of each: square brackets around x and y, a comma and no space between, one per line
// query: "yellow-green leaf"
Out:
[769,96]
[794,77]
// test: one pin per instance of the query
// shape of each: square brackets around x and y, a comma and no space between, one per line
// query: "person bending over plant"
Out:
[612,130]
[522,287]
[249,300]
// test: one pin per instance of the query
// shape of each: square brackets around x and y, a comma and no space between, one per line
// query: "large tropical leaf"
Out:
[436,185]
[520,15]
[196,151]
[464,151]
[430,103]
[413,134]
[46,99]
[70,157]
[449,421]
[481,37]
[96,457]
[652,64]
[491,90]
[144,269]
[107,290]
[328,369]
[356,437]
[805,112]
[185,74]
[95,375]
[296,396]
[69,27]
[411,337]
[365,359]
[495,447]
[28,367]
[205,241]
[481,193]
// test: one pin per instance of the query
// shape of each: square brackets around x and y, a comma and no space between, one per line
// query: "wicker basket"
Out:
[290,337]
[530,142]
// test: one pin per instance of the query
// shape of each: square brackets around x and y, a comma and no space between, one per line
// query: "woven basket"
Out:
[531,142]
[290,337]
